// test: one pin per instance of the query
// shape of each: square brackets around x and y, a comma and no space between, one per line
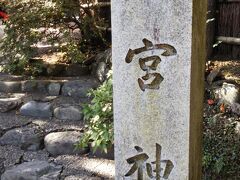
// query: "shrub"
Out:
[98,116]
[53,21]
[221,149]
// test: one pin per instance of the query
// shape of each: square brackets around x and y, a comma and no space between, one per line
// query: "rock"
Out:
[235,107]
[10,87]
[102,64]
[28,138]
[36,109]
[68,113]
[101,71]
[8,104]
[105,56]
[59,143]
[213,74]
[34,170]
[228,93]
[29,86]
[54,89]
[77,88]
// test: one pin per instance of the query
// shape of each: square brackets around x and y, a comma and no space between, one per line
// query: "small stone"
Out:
[54,89]
[28,138]
[228,93]
[77,88]
[68,113]
[34,170]
[105,56]
[36,109]
[213,74]
[102,64]
[235,107]
[60,143]
[101,71]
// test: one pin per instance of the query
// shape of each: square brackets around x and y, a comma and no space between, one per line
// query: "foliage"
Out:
[51,22]
[99,118]
[221,149]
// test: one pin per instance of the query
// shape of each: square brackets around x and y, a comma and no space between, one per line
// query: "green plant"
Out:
[34,69]
[98,116]
[73,54]
[52,21]
[221,149]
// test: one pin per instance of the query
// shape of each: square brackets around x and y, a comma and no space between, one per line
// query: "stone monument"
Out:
[158,71]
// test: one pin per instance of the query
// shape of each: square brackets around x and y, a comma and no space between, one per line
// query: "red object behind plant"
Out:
[3,15]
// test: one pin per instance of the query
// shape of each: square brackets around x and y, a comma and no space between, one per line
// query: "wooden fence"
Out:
[223,29]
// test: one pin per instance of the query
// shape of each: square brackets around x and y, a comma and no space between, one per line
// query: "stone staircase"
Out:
[41,120]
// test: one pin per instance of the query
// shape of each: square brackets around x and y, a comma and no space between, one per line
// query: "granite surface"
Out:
[162,115]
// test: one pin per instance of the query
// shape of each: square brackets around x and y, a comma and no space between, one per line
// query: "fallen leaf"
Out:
[210,102]
[222,108]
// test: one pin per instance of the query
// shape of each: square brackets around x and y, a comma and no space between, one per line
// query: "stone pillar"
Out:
[158,71]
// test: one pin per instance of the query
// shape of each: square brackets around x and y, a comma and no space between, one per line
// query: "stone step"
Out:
[63,70]
[8,77]
[41,105]
[75,88]
[33,170]
[58,69]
